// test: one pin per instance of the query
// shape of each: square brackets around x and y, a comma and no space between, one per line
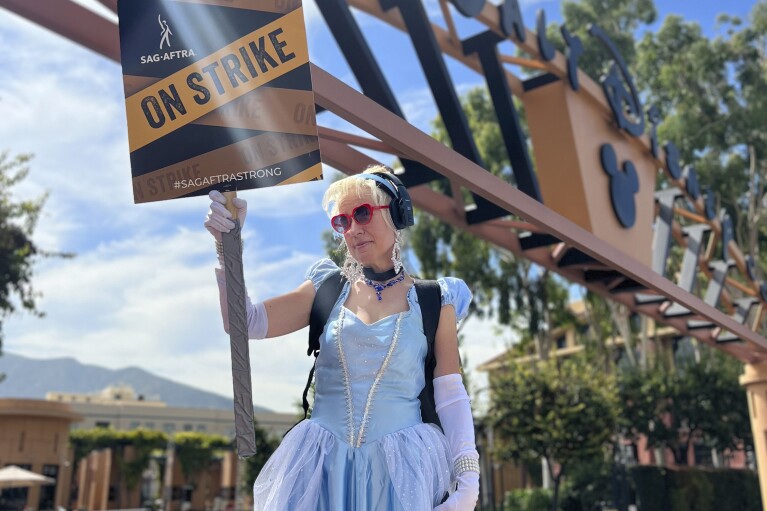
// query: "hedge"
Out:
[695,489]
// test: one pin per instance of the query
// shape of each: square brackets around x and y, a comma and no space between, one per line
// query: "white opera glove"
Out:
[454,411]
[219,219]
[258,322]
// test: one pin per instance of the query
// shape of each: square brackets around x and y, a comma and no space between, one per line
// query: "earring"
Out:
[396,252]
[352,269]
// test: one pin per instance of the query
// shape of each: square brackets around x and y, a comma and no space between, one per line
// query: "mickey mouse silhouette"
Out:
[624,184]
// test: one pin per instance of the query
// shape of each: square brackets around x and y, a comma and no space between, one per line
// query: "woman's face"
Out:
[370,244]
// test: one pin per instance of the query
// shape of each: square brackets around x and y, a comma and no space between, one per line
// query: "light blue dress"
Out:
[365,447]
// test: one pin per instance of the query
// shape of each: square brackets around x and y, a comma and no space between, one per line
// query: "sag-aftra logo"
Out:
[165,42]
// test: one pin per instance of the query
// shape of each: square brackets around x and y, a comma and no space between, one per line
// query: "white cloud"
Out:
[418,107]
[64,104]
[312,14]
[99,8]
[152,302]
[141,291]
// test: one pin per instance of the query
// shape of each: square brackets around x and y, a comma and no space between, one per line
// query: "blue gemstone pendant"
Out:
[378,287]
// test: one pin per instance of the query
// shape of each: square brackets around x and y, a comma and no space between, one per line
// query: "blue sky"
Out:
[141,291]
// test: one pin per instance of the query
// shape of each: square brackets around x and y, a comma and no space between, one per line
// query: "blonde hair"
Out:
[354,186]
[363,189]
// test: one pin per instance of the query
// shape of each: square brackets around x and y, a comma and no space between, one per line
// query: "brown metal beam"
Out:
[355,140]
[350,161]
[355,108]
[450,44]
[71,21]
[101,35]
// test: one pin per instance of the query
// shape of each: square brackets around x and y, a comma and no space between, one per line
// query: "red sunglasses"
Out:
[362,214]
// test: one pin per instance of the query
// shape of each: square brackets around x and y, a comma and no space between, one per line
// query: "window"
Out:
[188,427]
[48,492]
[201,427]
[134,425]
[561,342]
[169,427]
[102,424]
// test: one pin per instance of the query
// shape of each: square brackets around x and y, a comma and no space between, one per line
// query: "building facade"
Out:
[120,408]
[34,435]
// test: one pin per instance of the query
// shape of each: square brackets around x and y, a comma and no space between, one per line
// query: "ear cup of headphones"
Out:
[401,206]
[395,209]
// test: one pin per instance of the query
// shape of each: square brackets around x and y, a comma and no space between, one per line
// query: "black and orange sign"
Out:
[218,95]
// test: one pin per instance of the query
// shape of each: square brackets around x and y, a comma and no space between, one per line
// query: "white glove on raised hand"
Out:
[454,410]
[219,219]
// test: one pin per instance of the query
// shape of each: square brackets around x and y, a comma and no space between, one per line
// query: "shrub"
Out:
[535,499]
[695,489]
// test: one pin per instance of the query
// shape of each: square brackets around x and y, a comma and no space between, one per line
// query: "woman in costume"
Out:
[366,447]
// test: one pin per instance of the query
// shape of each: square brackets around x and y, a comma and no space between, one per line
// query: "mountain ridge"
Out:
[32,378]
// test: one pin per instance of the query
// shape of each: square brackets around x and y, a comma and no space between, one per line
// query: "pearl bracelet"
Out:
[465,464]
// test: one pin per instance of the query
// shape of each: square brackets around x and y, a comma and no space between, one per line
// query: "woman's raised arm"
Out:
[274,317]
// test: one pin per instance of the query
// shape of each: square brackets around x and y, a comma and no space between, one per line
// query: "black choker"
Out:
[379,277]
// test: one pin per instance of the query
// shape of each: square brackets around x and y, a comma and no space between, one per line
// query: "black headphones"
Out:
[401,206]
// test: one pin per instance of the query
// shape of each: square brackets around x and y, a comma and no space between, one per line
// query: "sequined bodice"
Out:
[368,377]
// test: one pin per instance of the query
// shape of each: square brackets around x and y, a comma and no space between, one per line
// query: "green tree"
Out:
[132,450]
[332,247]
[18,219]
[561,411]
[646,402]
[519,294]
[195,451]
[699,402]
[713,96]
[620,19]
[443,250]
[600,333]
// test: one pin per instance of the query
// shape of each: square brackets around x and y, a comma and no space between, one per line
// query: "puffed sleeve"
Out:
[319,271]
[455,292]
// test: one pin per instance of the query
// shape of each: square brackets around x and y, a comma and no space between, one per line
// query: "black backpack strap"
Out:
[430,302]
[324,299]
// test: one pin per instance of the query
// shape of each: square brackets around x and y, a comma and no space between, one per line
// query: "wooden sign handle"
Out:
[230,196]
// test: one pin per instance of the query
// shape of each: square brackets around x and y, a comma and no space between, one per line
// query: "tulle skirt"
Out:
[312,469]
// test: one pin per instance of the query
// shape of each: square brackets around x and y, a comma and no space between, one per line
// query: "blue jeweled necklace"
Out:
[380,286]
